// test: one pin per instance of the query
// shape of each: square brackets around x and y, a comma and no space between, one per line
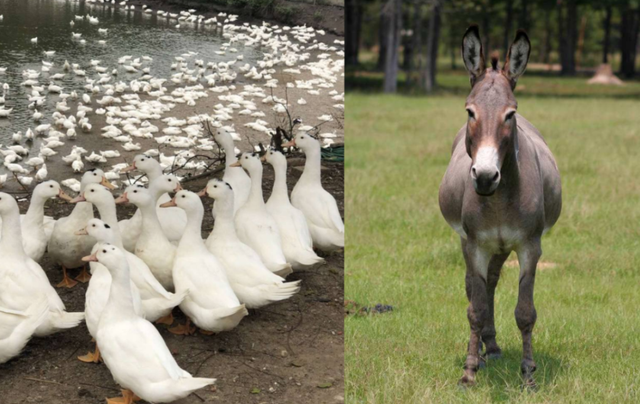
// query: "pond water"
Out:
[129,32]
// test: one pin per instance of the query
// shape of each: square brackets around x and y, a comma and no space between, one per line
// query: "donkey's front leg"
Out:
[492,350]
[477,262]
[528,256]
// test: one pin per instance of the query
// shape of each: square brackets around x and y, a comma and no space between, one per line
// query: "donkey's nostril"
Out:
[495,177]
[473,169]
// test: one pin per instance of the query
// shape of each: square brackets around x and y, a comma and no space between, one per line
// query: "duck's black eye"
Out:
[141,160]
[135,192]
[104,251]
[246,158]
[93,225]
[94,174]
[301,137]
[93,190]
[183,196]
[50,186]
[107,226]
[215,186]
[169,179]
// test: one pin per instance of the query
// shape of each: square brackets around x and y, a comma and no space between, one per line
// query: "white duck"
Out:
[211,303]
[97,294]
[67,249]
[157,303]
[294,230]
[152,246]
[318,205]
[35,237]
[235,176]
[253,283]
[22,280]
[255,226]
[18,327]
[131,347]
[173,221]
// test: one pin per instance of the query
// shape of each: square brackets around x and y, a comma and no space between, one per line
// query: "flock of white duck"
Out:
[130,106]
[143,267]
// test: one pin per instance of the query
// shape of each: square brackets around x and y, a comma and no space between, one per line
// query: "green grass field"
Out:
[401,252]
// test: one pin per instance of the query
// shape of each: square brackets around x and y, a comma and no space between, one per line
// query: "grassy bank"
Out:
[401,252]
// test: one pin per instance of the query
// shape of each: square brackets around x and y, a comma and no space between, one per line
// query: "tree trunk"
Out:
[433,35]
[415,40]
[628,40]
[382,40]
[453,48]
[486,30]
[567,27]
[507,29]
[546,43]
[524,14]
[353,11]
[583,27]
[607,35]
[393,10]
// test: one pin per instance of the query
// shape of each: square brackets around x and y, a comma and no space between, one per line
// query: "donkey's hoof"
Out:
[529,384]
[494,355]
[466,381]
[482,362]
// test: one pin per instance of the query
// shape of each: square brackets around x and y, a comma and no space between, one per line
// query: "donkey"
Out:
[501,192]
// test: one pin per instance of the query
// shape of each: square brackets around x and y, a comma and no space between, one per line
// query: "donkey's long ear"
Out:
[518,57]
[472,53]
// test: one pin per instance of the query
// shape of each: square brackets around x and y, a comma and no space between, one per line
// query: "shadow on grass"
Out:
[503,375]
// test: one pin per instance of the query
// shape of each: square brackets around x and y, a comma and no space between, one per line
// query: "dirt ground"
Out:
[289,352]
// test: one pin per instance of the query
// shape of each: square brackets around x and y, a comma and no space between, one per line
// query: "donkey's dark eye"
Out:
[471,114]
[510,115]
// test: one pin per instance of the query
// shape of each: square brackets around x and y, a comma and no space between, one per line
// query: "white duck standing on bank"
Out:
[18,327]
[157,303]
[34,238]
[318,205]
[152,245]
[22,280]
[131,347]
[235,176]
[297,243]
[253,283]
[211,303]
[172,220]
[66,248]
[255,226]
[97,294]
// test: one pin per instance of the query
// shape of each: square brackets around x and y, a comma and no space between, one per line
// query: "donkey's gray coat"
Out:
[500,193]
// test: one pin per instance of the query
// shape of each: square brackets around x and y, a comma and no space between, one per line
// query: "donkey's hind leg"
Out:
[492,350]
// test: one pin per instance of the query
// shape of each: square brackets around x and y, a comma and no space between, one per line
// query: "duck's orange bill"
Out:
[169,204]
[79,198]
[91,258]
[122,199]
